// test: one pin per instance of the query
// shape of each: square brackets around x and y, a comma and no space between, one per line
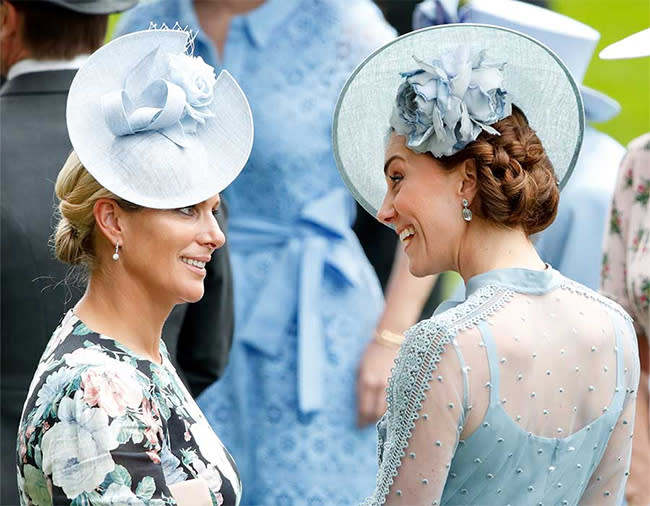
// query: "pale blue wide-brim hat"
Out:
[155,125]
[535,78]
[574,42]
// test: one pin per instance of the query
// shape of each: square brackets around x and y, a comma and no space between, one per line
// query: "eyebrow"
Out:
[389,161]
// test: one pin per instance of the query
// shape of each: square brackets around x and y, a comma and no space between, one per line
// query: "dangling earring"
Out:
[116,255]
[467,212]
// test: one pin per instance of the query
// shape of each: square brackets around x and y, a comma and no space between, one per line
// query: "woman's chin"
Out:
[420,270]
[192,296]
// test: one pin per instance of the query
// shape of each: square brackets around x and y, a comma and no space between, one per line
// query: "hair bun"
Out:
[68,243]
[517,183]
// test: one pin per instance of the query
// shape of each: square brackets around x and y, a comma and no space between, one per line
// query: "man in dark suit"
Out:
[41,46]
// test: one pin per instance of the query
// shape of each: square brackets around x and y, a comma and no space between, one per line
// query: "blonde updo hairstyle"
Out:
[78,190]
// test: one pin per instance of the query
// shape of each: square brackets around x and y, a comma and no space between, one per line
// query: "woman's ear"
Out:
[8,20]
[468,187]
[108,217]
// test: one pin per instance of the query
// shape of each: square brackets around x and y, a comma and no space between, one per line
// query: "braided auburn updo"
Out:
[517,185]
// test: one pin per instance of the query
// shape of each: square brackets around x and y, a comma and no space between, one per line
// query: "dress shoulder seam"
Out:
[577,288]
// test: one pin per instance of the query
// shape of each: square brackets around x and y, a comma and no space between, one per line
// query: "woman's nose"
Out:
[213,235]
[386,213]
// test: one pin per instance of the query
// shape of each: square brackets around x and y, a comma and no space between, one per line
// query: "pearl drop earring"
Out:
[116,255]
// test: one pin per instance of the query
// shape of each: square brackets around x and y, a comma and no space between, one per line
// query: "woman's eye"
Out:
[395,178]
[216,212]
[187,211]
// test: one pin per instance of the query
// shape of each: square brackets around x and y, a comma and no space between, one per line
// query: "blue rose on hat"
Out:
[444,105]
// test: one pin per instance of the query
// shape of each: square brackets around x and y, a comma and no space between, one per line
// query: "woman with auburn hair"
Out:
[156,136]
[524,392]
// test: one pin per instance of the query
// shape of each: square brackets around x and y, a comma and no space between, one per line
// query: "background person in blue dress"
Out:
[306,299]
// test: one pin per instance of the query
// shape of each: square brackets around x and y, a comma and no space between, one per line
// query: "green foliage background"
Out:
[627,81]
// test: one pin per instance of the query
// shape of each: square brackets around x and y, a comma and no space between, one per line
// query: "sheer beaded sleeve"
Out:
[607,483]
[418,434]
[512,397]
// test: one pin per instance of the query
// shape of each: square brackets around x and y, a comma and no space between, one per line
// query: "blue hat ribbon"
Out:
[160,95]
[163,109]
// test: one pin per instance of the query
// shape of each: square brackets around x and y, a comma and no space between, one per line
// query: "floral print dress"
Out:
[626,259]
[102,426]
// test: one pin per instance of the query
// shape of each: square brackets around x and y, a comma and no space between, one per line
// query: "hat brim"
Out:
[183,176]
[636,45]
[598,106]
[536,79]
[93,6]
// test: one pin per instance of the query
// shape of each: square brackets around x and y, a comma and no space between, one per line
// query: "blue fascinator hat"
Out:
[154,124]
[441,87]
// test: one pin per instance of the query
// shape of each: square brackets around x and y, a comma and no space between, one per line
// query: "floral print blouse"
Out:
[626,260]
[102,426]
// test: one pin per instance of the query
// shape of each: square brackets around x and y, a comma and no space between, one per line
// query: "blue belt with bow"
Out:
[320,237]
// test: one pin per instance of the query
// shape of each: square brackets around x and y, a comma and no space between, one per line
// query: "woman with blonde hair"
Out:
[524,392]
[156,137]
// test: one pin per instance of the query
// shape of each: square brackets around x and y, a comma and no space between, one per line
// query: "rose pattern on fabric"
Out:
[121,495]
[172,467]
[444,105]
[88,437]
[626,258]
[105,427]
[111,388]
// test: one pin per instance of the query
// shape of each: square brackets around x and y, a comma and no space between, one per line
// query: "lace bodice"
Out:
[522,394]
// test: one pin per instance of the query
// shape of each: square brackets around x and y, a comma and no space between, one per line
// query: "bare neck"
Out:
[215,16]
[487,247]
[120,308]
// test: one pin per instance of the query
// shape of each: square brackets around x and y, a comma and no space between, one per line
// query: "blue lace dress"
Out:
[306,298]
[523,394]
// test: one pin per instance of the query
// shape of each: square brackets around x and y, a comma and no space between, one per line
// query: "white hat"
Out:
[91,6]
[154,125]
[633,46]
[573,41]
[534,79]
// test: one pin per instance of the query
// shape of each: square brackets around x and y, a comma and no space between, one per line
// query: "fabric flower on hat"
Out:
[444,105]
[165,93]
[197,79]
